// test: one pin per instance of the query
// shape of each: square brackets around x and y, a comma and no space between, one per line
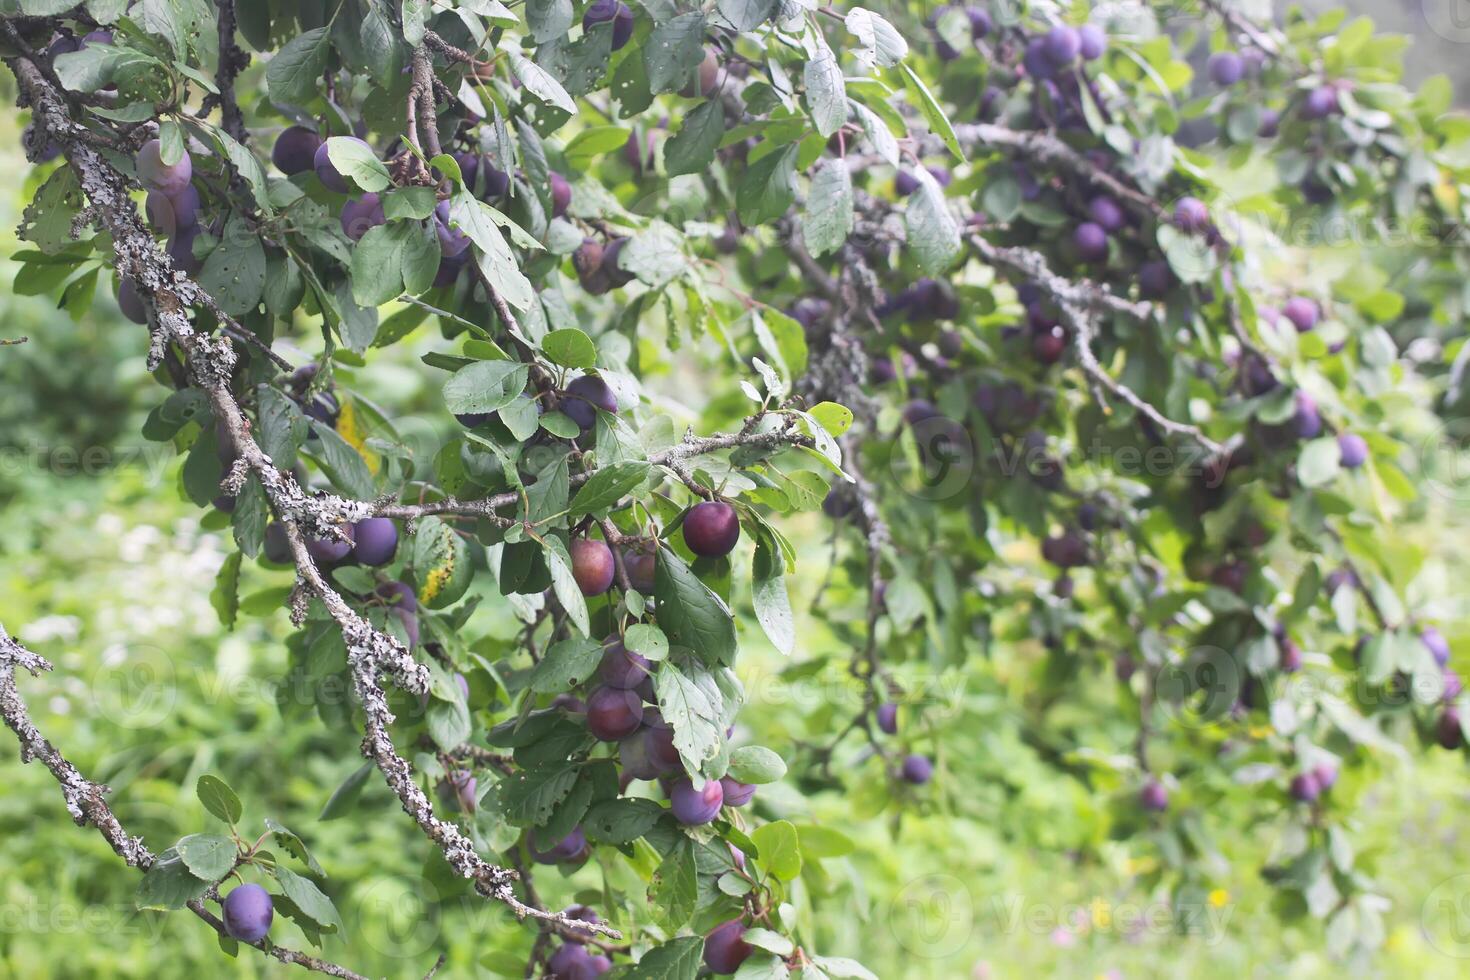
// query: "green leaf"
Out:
[528,796]
[564,585]
[570,348]
[310,899]
[689,613]
[537,80]
[356,161]
[771,942]
[746,15]
[207,856]
[930,108]
[880,42]
[844,968]
[342,798]
[933,232]
[621,821]
[697,720]
[485,386]
[675,887]
[756,764]
[673,50]
[647,640]
[768,187]
[607,486]
[768,591]
[169,884]
[377,265]
[826,95]
[234,272]
[290,842]
[656,256]
[692,149]
[441,563]
[677,959]
[780,849]
[225,596]
[829,216]
[345,467]
[567,664]
[218,798]
[293,72]
[1319,462]
[595,141]
[482,224]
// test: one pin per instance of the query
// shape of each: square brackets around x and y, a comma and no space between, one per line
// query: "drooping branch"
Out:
[86,800]
[168,294]
[674,458]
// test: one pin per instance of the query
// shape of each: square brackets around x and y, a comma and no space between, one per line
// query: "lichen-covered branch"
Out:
[86,800]
[169,294]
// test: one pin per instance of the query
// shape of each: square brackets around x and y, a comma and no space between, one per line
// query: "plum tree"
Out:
[1130,407]
[592,566]
[247,912]
[1092,41]
[1191,214]
[571,849]
[711,528]
[1304,787]
[130,302]
[1062,45]
[1302,312]
[1321,102]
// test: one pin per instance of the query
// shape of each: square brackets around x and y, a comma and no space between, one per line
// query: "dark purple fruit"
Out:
[247,913]
[711,528]
[691,806]
[917,769]
[375,541]
[592,566]
[725,948]
[361,214]
[295,150]
[613,713]
[584,397]
[155,175]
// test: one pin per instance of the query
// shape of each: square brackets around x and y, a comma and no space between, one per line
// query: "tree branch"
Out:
[86,801]
[168,294]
